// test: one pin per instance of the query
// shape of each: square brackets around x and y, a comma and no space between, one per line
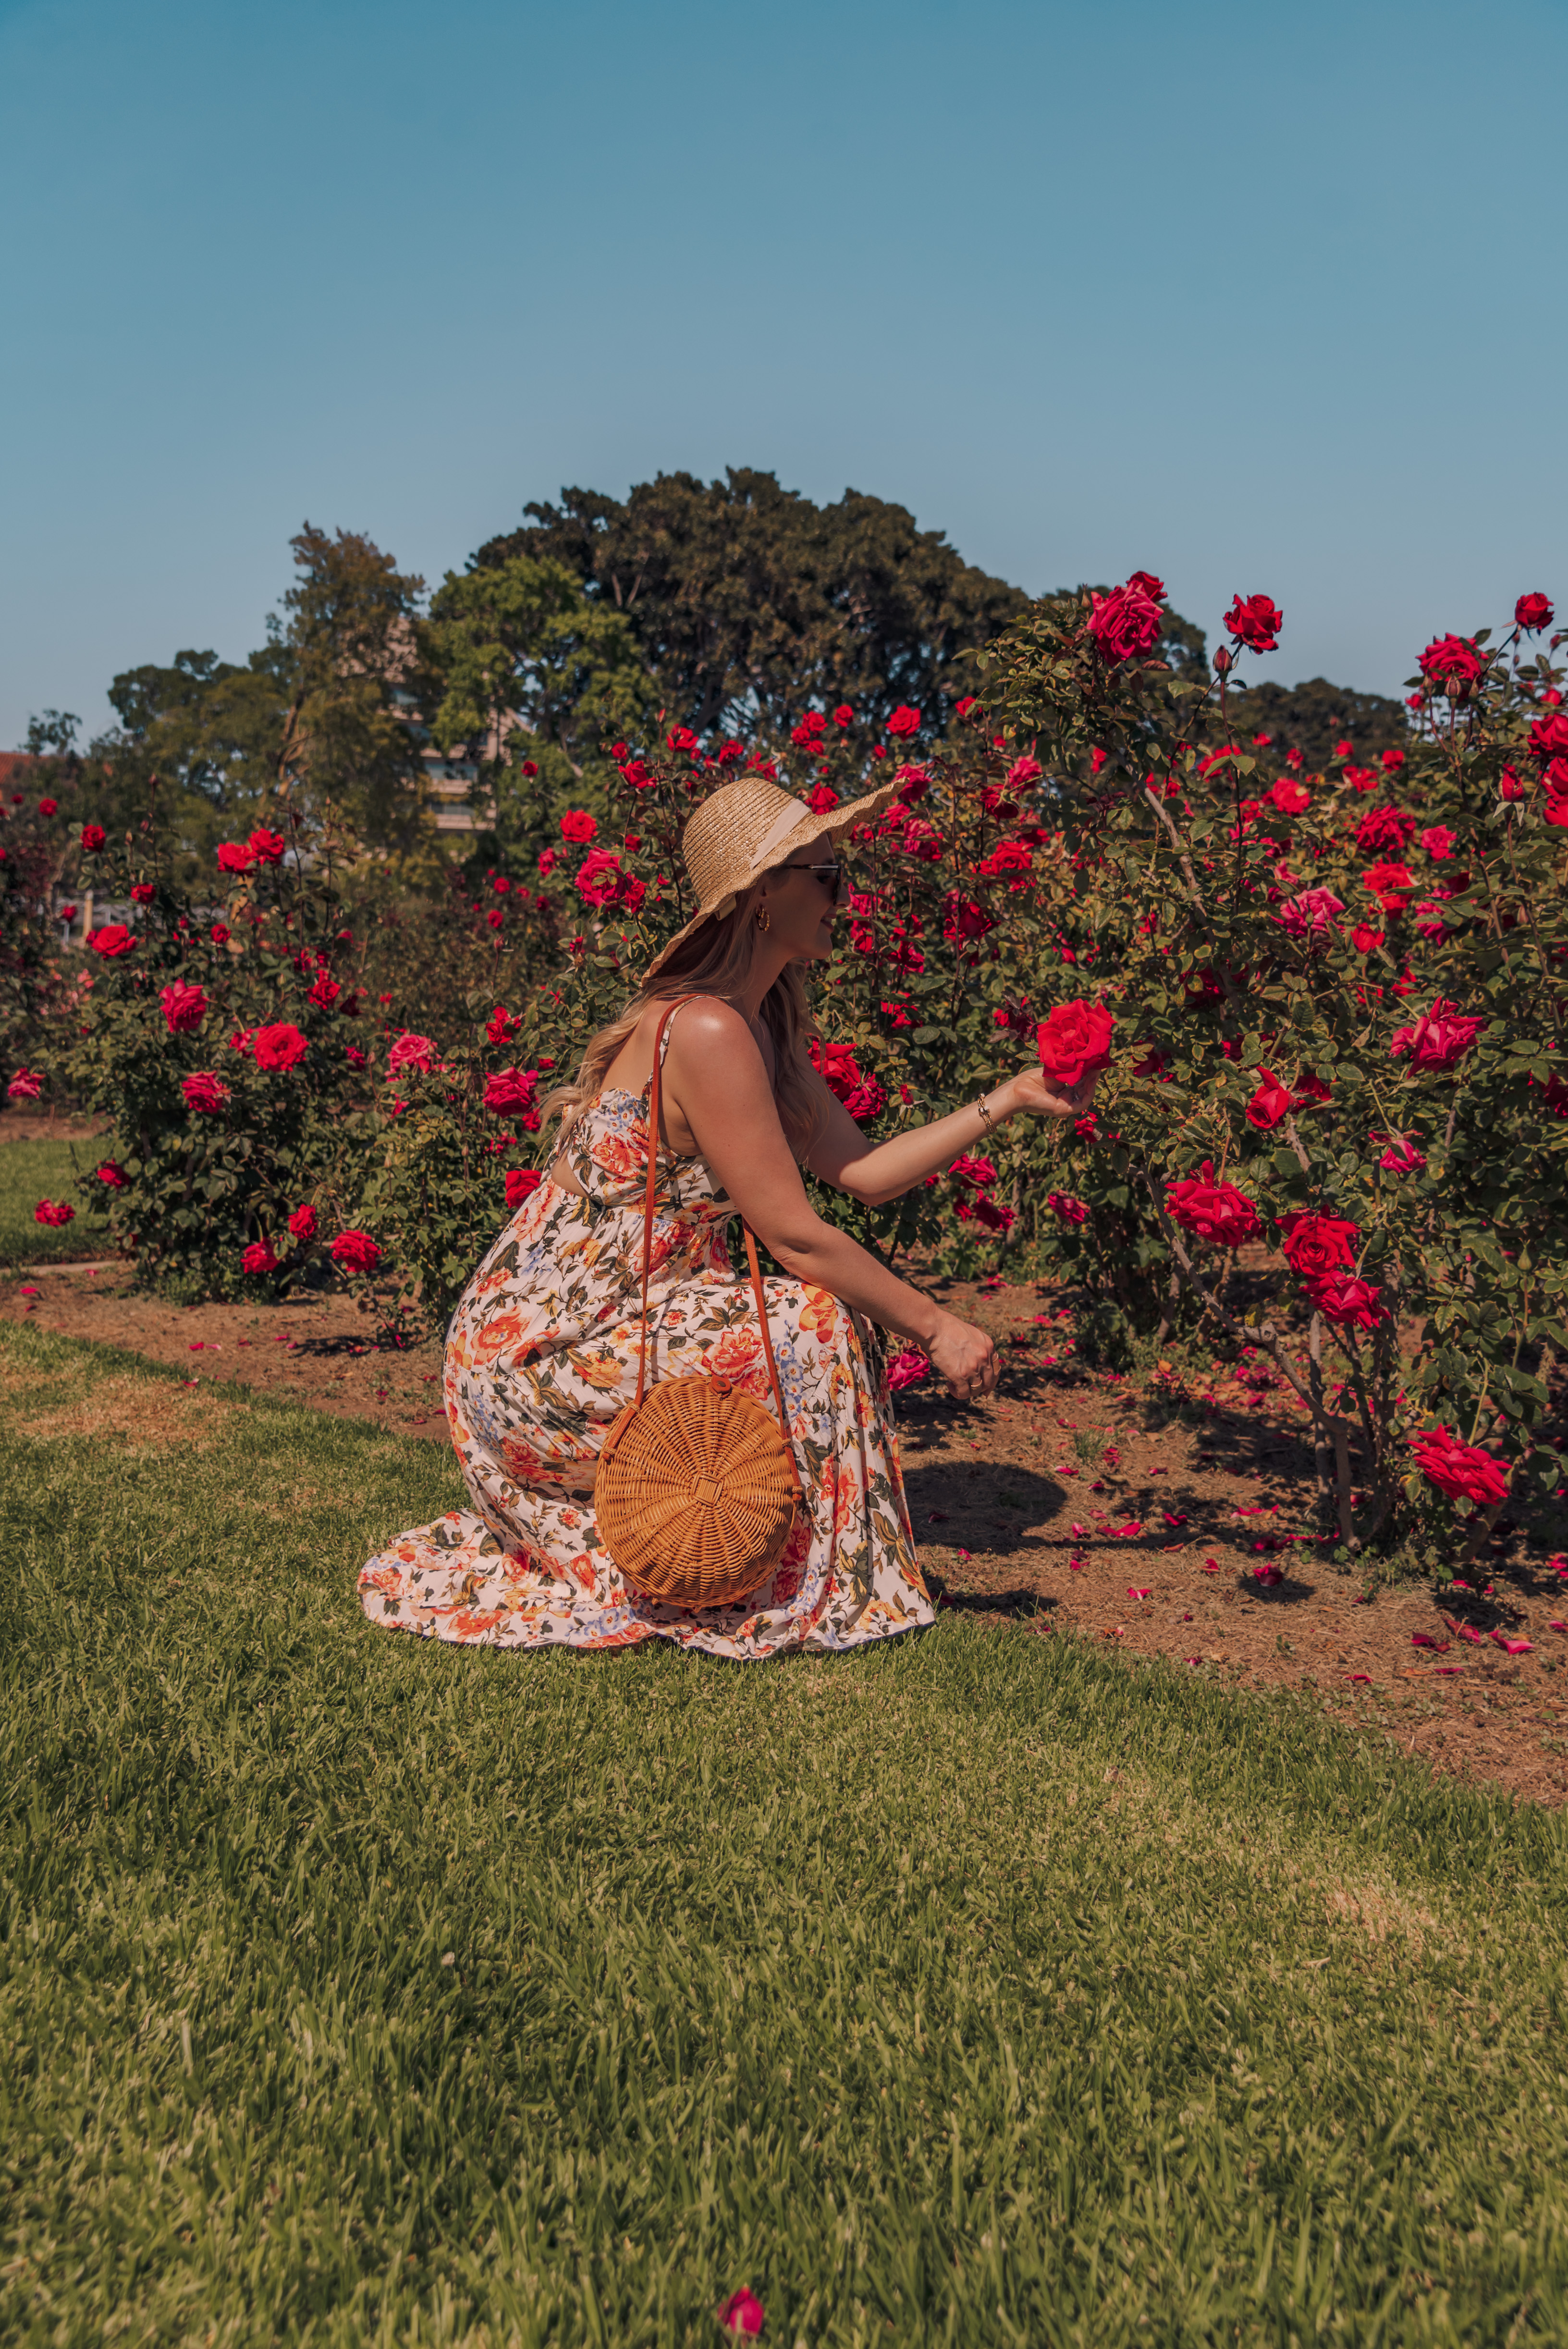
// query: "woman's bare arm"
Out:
[714,1072]
[874,1172]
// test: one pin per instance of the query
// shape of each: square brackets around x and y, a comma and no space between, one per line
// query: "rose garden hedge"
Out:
[1331,1008]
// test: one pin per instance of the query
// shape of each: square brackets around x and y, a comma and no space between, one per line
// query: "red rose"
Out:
[1401,1157]
[978,1173]
[1438,1038]
[502,1025]
[1271,1103]
[1007,856]
[48,807]
[1390,883]
[112,1176]
[599,876]
[112,940]
[259,1258]
[1392,761]
[509,1090]
[278,1046]
[302,1222]
[1152,587]
[1074,1043]
[1366,940]
[26,1085]
[965,921]
[265,846]
[520,1181]
[1385,827]
[1291,798]
[54,1211]
[220,933]
[1125,622]
[185,1007]
[410,1051]
[837,1065]
[907,1369]
[1509,786]
[1215,1211]
[204,1091]
[1532,612]
[1065,1208]
[528,768]
[1316,1245]
[325,992]
[742,2312]
[1256,620]
[842,716]
[354,1056]
[1360,779]
[233,858]
[357,1251]
[682,738]
[1023,772]
[1341,1299]
[1451,665]
[904,720]
[1439,842]
[93,837]
[1549,737]
[578,826]
[1461,1470]
[823,799]
[142,893]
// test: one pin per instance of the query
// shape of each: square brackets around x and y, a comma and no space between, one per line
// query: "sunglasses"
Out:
[830,875]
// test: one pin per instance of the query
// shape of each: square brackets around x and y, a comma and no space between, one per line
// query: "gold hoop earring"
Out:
[764,919]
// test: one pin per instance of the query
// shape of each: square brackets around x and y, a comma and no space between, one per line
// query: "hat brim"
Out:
[831,825]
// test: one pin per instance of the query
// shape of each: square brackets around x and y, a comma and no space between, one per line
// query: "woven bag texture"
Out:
[694,1494]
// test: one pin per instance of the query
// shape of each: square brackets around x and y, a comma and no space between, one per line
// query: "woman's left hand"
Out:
[1031,1092]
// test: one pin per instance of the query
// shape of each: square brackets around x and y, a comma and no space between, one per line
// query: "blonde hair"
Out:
[715,960]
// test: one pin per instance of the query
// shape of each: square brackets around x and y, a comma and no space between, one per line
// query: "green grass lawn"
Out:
[31,1171]
[978,1990]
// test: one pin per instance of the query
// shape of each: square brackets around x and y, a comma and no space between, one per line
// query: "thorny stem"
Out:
[1176,841]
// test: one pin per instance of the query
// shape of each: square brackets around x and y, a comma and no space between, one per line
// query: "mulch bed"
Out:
[1167,1514]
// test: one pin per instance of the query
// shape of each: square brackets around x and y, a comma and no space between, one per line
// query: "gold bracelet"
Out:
[985,1117]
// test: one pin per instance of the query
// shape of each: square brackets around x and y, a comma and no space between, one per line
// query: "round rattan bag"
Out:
[697,1488]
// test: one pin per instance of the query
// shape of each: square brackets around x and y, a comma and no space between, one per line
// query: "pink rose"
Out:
[1023,772]
[742,2312]
[599,876]
[1312,913]
[907,1369]
[412,1051]
[1401,1157]
[1438,1039]
[26,1085]
[1439,842]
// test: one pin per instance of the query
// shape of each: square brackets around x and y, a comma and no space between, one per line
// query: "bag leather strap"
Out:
[757,1292]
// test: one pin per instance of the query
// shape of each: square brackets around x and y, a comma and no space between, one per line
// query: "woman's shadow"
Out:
[995,1512]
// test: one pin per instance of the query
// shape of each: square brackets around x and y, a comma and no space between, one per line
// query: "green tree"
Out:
[748,601]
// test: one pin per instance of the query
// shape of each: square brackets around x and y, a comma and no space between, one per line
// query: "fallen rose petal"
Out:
[1425,1640]
[1174,1516]
[1365,1678]
[1139,1594]
[1512,1647]
[1127,1532]
[1554,1625]
[1448,1671]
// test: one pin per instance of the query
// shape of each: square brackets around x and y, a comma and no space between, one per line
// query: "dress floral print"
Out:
[540,1357]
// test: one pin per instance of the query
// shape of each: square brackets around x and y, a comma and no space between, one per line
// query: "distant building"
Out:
[451,777]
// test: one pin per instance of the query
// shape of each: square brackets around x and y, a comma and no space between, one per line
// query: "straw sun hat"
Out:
[742,831]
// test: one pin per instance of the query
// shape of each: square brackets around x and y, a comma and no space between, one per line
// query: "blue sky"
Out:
[1259,300]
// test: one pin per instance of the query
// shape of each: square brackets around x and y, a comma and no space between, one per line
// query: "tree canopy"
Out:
[747,600]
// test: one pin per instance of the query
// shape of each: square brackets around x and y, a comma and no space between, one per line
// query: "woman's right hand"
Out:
[966,1357]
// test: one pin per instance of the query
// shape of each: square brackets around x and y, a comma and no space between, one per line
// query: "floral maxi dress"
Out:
[540,1357]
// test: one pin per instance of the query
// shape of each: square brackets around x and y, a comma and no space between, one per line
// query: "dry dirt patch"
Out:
[142,1413]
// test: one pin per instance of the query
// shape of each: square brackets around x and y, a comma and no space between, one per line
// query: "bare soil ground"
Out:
[1172,1515]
